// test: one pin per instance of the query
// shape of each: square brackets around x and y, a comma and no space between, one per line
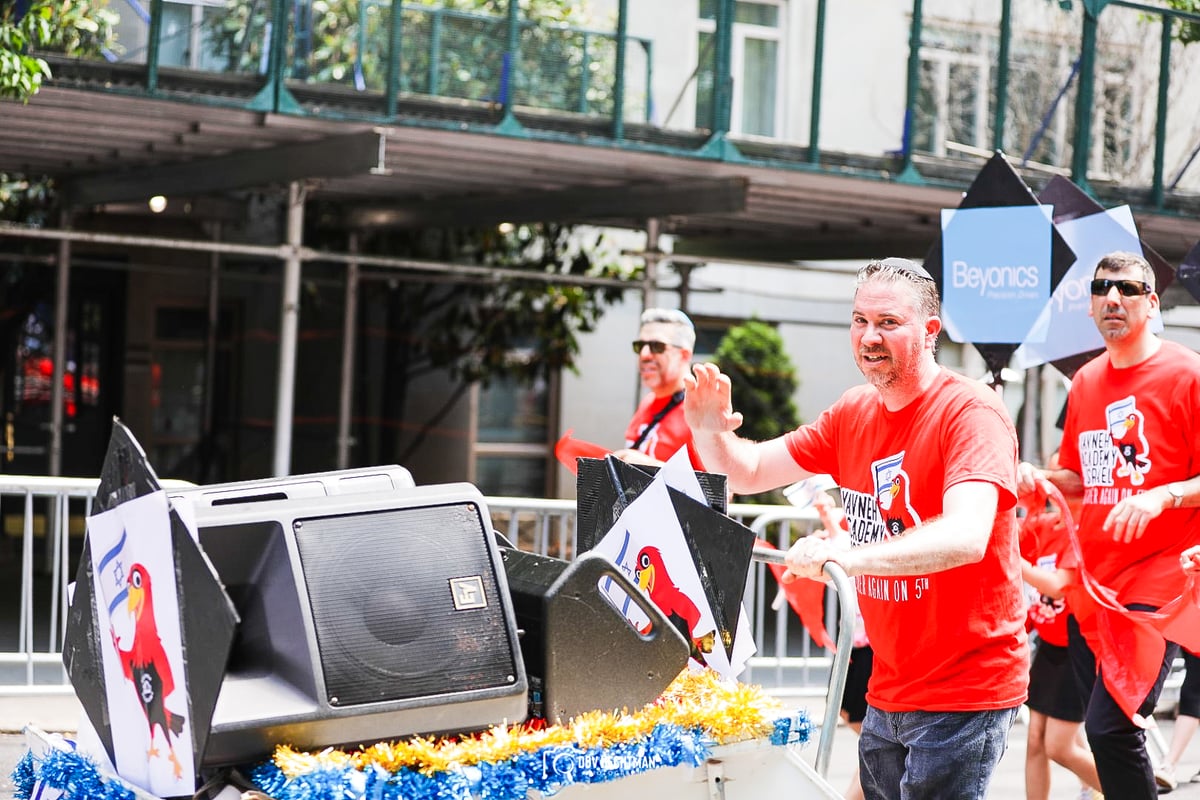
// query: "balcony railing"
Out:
[1066,87]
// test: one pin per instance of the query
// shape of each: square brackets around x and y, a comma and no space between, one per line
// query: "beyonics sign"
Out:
[996,274]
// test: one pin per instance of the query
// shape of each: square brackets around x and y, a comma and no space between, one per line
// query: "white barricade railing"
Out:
[46,516]
[39,511]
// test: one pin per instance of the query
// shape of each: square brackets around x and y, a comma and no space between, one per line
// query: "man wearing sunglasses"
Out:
[1131,450]
[926,461]
[664,352]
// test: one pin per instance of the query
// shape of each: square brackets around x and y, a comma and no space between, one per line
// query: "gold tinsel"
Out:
[726,711]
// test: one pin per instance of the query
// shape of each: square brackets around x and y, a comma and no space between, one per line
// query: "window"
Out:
[186,40]
[952,95]
[957,94]
[1113,134]
[514,439]
[756,62]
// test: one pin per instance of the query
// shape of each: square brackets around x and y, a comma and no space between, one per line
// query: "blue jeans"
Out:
[929,755]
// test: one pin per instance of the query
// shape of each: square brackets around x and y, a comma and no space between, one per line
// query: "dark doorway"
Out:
[92,380]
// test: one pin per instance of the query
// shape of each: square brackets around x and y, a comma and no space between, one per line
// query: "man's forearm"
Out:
[730,455]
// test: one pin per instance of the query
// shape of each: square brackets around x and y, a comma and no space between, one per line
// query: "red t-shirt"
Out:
[1127,431]
[946,641]
[1043,541]
[665,438]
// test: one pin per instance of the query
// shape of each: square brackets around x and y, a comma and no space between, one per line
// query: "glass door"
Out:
[91,377]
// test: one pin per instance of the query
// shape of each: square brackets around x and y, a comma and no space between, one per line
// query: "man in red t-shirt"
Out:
[926,461]
[1131,450]
[664,350]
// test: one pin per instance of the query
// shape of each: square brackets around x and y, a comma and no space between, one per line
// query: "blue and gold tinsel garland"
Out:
[697,712]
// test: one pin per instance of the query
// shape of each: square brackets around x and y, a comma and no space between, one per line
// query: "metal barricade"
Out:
[47,507]
[785,675]
[44,516]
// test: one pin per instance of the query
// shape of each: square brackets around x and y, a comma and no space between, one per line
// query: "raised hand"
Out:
[708,403]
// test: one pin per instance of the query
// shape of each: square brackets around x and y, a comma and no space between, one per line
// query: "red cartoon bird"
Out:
[1128,439]
[146,665]
[893,506]
[652,577]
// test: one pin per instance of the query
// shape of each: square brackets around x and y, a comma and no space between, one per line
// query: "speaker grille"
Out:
[405,603]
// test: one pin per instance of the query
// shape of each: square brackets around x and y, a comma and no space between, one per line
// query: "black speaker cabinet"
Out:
[580,652]
[365,616]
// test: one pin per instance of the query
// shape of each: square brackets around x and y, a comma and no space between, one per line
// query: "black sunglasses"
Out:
[658,348]
[1127,288]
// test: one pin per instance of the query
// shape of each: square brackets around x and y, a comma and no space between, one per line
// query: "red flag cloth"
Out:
[807,599]
[568,449]
[1129,645]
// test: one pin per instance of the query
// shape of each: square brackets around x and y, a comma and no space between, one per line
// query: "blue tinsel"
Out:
[547,771]
[23,777]
[72,774]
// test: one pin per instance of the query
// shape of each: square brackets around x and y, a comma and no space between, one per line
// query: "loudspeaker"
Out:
[313,484]
[365,616]
[580,652]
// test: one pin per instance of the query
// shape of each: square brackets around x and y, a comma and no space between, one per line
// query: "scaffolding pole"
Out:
[289,325]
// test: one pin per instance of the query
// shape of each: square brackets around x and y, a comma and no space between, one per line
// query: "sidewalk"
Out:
[51,712]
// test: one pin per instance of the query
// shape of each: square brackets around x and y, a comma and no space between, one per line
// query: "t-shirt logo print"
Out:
[892,494]
[1126,426]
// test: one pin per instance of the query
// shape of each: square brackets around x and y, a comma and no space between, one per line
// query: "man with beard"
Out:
[941,594]
[664,350]
[1131,451]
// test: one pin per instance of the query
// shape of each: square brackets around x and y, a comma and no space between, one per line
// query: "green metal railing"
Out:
[508,60]
[511,62]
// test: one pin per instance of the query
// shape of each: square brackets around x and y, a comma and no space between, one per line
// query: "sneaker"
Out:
[1195,778]
[1164,776]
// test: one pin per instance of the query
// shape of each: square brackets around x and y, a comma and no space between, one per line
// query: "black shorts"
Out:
[1189,692]
[854,700]
[1052,689]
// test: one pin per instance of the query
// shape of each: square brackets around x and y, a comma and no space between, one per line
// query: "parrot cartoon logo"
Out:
[652,577]
[146,666]
[892,495]
[1126,426]
[1043,608]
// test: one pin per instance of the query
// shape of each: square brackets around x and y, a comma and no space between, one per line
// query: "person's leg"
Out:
[854,703]
[1119,746]
[1053,691]
[854,791]
[1064,747]
[1185,728]
[1082,661]
[1037,763]
[880,756]
[1189,708]
[951,755]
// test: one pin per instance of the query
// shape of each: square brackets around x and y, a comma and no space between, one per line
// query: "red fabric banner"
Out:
[1129,645]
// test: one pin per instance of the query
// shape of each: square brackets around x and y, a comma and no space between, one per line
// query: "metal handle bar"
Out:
[848,605]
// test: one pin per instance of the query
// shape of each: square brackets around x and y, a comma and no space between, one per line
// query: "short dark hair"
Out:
[1121,261]
[893,270]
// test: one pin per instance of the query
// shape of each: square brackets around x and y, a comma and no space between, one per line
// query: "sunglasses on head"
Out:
[658,348]
[1127,288]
